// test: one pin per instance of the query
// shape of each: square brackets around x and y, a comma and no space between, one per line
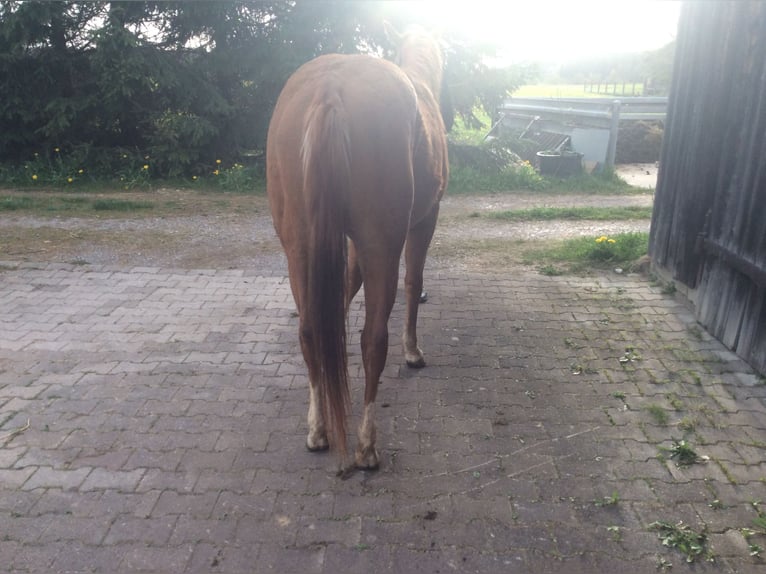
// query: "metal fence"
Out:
[591,123]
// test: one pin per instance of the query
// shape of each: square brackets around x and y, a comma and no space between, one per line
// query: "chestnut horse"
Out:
[356,166]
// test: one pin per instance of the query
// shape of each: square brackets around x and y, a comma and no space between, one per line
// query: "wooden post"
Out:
[614,128]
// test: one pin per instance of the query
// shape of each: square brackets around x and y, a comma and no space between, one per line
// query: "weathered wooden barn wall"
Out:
[709,222]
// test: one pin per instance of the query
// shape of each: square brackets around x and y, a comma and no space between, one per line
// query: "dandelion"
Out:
[218,161]
[602,239]
[146,167]
[611,241]
[56,149]
[124,156]
[216,172]
[194,178]
[69,180]
[80,171]
[34,177]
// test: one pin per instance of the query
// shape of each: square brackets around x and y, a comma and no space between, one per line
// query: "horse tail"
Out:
[326,166]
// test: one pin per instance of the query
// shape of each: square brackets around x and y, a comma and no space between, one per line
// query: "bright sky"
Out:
[556,30]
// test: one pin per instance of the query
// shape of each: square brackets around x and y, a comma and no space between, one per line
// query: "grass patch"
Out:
[120,205]
[42,203]
[659,414]
[626,213]
[17,203]
[612,500]
[584,253]
[467,180]
[551,271]
[53,203]
[606,182]
[688,424]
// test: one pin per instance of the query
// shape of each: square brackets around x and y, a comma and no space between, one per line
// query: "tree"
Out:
[182,82]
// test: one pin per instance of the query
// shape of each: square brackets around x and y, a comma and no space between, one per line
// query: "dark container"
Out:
[559,164]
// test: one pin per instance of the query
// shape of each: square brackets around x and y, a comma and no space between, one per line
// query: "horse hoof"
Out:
[367,459]
[416,363]
[318,445]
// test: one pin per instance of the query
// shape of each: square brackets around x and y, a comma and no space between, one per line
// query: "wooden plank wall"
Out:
[709,221]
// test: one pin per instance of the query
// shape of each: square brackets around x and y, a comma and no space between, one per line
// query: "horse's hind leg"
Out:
[316,440]
[380,281]
[353,274]
[418,240]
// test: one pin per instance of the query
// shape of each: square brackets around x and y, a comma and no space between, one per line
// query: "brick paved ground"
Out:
[167,411]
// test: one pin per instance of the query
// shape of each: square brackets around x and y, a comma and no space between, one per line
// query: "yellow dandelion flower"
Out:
[34,177]
[216,172]
[80,171]
[69,180]
[218,161]
[601,239]
[56,149]
[146,167]
[194,177]
[611,241]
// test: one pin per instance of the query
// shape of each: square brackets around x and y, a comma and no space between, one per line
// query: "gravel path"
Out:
[233,239]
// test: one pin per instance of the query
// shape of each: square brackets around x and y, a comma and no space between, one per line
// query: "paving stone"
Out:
[47,477]
[168,420]
[104,478]
[151,531]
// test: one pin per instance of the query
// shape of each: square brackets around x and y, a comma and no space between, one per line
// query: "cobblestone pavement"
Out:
[166,426]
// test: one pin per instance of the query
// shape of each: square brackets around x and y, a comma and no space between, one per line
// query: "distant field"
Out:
[564,91]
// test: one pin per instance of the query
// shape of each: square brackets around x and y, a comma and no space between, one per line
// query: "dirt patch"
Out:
[188,229]
[639,174]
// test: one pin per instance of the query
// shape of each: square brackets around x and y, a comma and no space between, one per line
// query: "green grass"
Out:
[462,134]
[18,203]
[120,205]
[468,180]
[584,253]
[659,414]
[86,170]
[574,213]
[62,203]
[598,183]
[612,500]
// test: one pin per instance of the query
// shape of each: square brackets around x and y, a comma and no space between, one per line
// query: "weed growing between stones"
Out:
[688,541]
